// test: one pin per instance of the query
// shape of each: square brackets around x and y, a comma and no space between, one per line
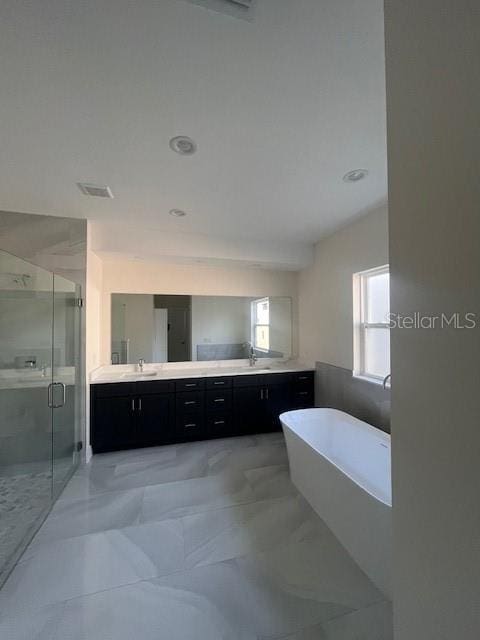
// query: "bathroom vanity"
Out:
[157,408]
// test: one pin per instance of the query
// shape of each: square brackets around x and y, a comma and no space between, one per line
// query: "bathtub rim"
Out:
[385,499]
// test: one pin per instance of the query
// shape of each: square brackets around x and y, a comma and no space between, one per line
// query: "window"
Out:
[371,323]
[261,324]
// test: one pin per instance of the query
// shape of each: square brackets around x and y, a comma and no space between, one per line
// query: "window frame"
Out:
[360,325]
[256,324]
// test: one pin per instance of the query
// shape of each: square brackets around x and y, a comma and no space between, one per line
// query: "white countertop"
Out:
[174,371]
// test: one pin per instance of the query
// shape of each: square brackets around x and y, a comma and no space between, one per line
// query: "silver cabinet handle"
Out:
[219,422]
[190,424]
[261,394]
[266,393]
[139,404]
[190,402]
[303,393]
[133,404]
[219,399]
[303,377]
[219,382]
[191,384]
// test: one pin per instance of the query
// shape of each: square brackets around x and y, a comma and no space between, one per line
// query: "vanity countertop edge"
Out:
[179,374]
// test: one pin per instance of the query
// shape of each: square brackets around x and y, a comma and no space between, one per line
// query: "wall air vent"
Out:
[235,8]
[95,190]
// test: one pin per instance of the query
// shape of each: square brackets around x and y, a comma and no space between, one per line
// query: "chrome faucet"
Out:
[252,356]
[141,362]
[386,379]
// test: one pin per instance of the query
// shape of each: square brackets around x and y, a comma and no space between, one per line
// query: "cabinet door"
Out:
[113,423]
[277,401]
[249,410]
[155,419]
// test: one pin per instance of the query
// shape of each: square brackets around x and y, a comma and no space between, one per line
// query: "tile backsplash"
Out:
[337,388]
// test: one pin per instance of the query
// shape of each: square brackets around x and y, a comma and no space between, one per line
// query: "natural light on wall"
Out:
[371,306]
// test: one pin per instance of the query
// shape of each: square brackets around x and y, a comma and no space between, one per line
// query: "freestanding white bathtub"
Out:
[342,467]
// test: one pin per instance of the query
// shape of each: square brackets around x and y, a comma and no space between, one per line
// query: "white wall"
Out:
[433,96]
[280,325]
[325,288]
[128,276]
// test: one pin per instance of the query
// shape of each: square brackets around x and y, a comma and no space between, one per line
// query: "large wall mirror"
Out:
[175,328]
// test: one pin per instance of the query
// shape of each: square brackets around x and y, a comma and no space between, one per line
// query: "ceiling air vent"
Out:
[236,8]
[95,190]
[244,3]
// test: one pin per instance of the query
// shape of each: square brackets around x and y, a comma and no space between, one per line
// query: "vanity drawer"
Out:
[277,378]
[219,400]
[303,377]
[220,426]
[154,386]
[190,401]
[190,384]
[219,383]
[248,380]
[302,398]
[113,390]
[190,427]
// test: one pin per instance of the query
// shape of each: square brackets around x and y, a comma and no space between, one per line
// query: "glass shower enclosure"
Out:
[40,397]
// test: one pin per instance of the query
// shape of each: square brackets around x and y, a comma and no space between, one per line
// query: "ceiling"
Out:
[280,107]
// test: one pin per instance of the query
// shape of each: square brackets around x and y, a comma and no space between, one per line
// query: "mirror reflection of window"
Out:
[261,324]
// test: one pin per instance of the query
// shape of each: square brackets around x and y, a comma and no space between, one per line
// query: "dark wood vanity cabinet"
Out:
[139,414]
[126,415]
[258,401]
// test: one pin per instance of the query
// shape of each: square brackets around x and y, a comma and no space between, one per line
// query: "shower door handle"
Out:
[50,395]
[64,393]
[51,388]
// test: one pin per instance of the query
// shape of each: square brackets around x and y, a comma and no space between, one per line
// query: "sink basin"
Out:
[138,374]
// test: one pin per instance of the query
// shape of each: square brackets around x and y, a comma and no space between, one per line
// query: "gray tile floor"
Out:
[201,541]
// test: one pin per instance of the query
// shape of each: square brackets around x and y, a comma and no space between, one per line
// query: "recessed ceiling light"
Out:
[177,213]
[183,145]
[95,190]
[356,175]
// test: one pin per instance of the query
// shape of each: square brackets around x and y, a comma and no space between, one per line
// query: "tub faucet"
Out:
[386,379]
[141,362]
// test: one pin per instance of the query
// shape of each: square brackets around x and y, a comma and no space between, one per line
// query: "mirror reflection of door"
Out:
[160,335]
[178,334]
